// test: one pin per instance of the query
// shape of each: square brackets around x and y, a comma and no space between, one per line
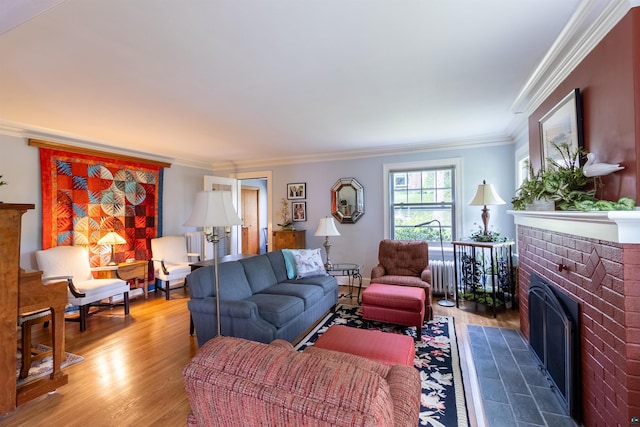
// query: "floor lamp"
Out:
[443,302]
[213,209]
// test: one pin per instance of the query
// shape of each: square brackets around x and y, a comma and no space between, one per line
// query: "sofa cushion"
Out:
[259,273]
[401,281]
[278,264]
[310,294]
[277,309]
[233,282]
[308,263]
[328,283]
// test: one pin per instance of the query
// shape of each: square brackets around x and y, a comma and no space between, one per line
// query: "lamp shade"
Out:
[112,238]
[327,227]
[213,209]
[486,195]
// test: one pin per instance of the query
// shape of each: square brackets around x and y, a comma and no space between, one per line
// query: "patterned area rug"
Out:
[437,359]
[41,368]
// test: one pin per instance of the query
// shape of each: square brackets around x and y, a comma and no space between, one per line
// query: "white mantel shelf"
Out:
[610,226]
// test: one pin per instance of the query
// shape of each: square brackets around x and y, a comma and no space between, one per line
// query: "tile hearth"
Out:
[514,391]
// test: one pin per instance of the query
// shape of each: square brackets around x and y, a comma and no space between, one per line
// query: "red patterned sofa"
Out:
[233,381]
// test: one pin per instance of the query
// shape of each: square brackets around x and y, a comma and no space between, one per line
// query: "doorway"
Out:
[262,181]
[250,199]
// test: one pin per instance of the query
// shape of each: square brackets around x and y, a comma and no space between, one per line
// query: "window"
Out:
[418,196]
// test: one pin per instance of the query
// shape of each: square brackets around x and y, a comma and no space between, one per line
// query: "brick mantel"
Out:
[595,259]
[610,226]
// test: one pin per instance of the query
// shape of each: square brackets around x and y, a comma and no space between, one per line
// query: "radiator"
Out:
[195,243]
[441,276]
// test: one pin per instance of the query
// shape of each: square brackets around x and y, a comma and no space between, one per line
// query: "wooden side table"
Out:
[132,272]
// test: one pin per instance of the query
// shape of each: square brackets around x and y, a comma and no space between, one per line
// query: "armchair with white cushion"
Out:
[71,263]
[170,262]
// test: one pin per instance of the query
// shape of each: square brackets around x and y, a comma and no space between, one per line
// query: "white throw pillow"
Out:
[308,263]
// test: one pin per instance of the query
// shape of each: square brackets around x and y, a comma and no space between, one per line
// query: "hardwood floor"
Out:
[131,374]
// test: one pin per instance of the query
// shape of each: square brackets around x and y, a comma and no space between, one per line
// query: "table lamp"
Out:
[327,228]
[112,238]
[486,195]
[213,209]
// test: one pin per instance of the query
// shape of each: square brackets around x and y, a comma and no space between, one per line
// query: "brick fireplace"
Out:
[593,258]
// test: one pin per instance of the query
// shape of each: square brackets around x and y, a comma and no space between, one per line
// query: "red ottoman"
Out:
[401,305]
[383,347]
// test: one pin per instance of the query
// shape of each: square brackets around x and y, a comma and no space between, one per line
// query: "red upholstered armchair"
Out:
[405,263]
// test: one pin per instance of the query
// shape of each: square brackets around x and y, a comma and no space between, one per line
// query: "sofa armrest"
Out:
[282,344]
[237,309]
[377,271]
[426,275]
[406,390]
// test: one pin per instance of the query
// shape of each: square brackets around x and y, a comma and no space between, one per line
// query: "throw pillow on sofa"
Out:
[308,263]
[289,263]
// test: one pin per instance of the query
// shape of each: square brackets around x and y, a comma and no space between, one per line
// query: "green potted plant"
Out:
[562,182]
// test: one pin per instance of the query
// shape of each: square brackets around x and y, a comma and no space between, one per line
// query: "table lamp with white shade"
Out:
[213,209]
[112,238]
[486,195]
[327,228]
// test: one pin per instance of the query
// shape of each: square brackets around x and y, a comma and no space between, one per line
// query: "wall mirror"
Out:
[347,200]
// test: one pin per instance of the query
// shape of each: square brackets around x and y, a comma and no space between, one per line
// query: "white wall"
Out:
[358,243]
[20,168]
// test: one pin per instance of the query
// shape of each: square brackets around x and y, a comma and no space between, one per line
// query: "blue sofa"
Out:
[259,302]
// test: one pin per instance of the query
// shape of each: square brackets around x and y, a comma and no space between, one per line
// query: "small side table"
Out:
[484,273]
[133,272]
[352,271]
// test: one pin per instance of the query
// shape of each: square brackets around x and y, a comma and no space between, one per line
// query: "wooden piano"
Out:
[24,292]
[33,295]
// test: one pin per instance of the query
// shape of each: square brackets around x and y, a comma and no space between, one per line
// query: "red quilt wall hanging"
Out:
[84,197]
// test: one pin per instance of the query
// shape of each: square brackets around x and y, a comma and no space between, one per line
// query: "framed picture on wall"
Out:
[562,125]
[297,191]
[299,211]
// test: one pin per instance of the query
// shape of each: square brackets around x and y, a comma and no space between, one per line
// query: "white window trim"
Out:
[521,153]
[456,163]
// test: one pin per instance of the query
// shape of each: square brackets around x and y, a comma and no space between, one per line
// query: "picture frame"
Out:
[562,124]
[297,191]
[299,211]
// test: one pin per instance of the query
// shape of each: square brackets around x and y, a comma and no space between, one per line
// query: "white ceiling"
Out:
[207,81]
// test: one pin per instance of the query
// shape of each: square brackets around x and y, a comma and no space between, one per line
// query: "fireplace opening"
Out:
[554,339]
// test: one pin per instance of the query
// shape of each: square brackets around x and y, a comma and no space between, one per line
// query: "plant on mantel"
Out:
[2,182]
[563,182]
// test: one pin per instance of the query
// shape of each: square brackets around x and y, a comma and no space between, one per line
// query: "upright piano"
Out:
[23,292]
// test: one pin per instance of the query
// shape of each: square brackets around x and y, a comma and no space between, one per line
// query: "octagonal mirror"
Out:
[347,200]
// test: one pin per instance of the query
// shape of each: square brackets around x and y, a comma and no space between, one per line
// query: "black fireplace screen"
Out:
[554,339]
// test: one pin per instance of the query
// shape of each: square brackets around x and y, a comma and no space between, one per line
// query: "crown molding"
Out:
[590,23]
[440,145]
[30,132]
